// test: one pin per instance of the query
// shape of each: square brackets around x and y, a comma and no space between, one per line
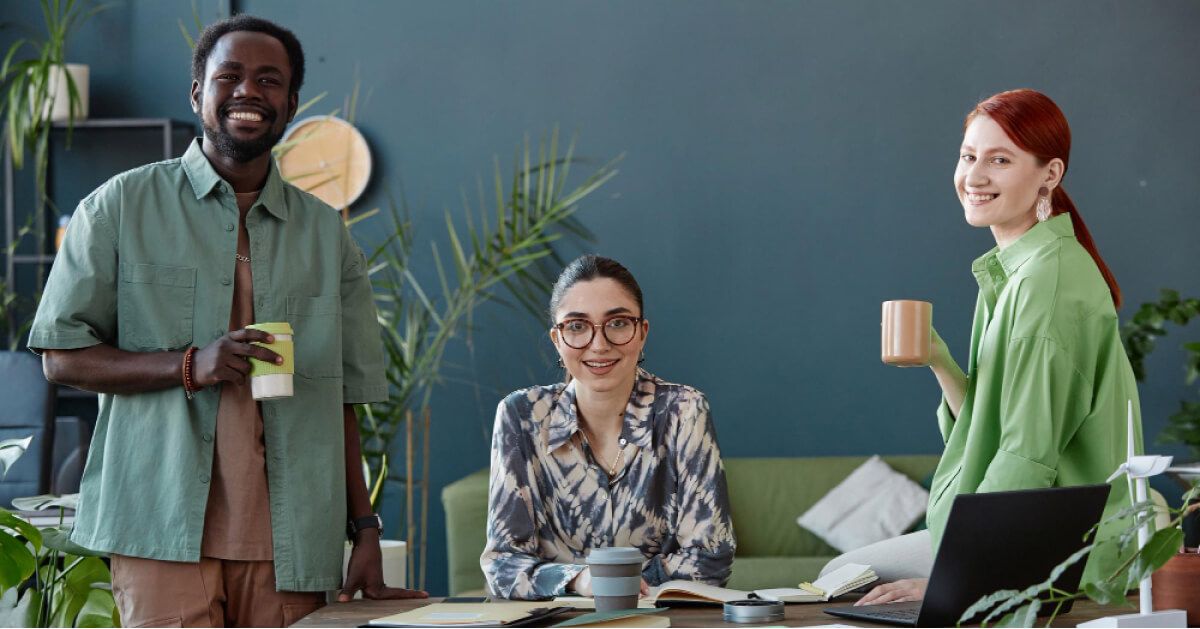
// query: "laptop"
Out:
[996,541]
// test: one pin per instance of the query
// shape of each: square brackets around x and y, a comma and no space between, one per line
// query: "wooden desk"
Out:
[800,615]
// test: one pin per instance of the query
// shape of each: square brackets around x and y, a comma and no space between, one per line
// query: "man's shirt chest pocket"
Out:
[156,305]
[317,324]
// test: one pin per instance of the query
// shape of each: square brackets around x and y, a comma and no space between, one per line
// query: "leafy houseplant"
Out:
[45,580]
[1124,569]
[1139,335]
[31,76]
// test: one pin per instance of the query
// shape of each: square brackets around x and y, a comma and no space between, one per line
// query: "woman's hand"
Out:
[895,592]
[939,354]
[582,584]
[949,375]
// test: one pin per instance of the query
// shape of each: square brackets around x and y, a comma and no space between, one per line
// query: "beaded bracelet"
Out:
[189,387]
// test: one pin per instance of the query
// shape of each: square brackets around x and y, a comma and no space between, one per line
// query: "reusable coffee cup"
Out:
[616,577]
[906,332]
[269,381]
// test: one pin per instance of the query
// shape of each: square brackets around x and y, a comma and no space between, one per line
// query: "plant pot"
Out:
[395,563]
[1176,585]
[58,94]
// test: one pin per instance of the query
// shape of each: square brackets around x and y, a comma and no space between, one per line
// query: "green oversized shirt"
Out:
[147,265]
[1048,380]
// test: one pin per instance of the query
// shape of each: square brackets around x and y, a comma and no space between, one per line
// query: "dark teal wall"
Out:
[778,153]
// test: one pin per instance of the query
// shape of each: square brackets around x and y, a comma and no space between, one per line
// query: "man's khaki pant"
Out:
[212,593]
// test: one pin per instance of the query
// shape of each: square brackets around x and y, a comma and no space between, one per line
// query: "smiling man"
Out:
[219,510]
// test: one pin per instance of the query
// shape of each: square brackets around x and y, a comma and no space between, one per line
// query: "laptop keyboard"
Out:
[891,613]
[894,614]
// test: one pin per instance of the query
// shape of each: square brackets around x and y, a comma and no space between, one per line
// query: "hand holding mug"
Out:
[939,353]
[227,358]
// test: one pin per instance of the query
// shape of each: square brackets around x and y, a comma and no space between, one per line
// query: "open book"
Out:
[848,577]
[499,614]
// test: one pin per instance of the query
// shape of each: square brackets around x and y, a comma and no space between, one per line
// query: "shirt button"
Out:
[225,280]
[622,441]
[229,227]
[204,478]
[207,438]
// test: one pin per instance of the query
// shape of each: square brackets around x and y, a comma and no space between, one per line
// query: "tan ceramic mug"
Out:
[906,332]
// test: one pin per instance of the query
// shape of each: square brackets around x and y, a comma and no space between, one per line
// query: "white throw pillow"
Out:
[872,504]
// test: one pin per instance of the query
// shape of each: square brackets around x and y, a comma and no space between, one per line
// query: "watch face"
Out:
[327,157]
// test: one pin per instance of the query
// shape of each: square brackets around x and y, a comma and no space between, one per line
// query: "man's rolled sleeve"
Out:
[363,375]
[79,305]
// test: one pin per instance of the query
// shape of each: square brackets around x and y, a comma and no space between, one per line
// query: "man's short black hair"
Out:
[213,32]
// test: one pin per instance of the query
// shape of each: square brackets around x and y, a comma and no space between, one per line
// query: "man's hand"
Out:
[365,572]
[895,592]
[226,359]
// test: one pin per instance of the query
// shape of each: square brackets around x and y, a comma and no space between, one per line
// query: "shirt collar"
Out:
[204,179]
[999,264]
[564,421]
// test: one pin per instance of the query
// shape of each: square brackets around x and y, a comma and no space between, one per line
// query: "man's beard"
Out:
[241,150]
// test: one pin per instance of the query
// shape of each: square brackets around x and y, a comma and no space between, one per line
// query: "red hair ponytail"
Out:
[1038,126]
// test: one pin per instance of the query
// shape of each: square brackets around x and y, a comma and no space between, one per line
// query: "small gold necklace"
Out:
[612,470]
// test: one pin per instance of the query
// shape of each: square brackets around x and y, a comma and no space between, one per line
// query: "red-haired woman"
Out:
[1043,401]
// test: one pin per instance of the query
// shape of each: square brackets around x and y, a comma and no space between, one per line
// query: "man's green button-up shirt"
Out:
[1048,379]
[147,265]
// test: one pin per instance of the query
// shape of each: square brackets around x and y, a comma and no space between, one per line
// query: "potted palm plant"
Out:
[39,88]
[506,253]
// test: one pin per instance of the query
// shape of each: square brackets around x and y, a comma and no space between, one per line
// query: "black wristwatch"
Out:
[356,525]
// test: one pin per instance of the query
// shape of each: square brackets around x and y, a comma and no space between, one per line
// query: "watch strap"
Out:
[356,525]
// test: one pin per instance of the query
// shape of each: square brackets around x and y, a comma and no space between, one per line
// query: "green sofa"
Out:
[767,496]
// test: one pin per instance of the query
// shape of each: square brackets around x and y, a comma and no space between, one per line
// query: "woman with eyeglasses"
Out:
[613,456]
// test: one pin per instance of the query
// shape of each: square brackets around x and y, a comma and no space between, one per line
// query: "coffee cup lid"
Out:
[618,555]
[281,327]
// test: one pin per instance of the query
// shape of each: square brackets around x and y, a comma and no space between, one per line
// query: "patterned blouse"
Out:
[549,501]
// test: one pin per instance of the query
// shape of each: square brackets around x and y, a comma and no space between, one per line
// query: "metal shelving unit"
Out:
[168,127]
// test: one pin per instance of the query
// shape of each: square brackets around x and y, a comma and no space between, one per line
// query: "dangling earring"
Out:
[560,362]
[642,357]
[1044,209]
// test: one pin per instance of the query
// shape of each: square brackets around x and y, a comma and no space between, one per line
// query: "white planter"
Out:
[395,563]
[59,94]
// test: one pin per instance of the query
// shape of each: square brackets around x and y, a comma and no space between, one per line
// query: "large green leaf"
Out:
[75,587]
[20,612]
[14,523]
[10,451]
[99,610]
[59,538]
[16,561]
[1158,550]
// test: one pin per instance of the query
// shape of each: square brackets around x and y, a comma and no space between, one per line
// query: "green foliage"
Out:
[45,579]
[1019,608]
[19,541]
[26,75]
[1139,336]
